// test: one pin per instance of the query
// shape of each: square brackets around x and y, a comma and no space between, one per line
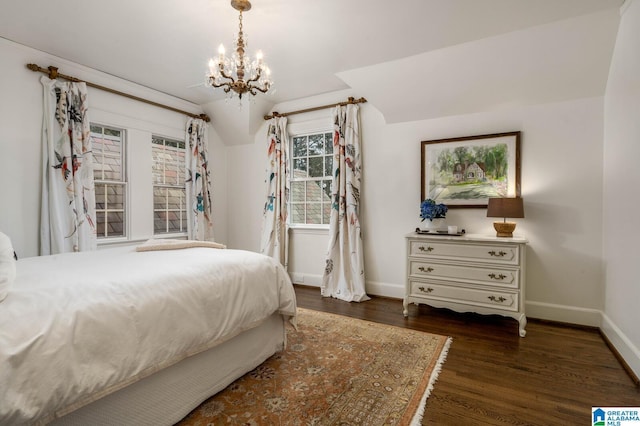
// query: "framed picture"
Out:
[465,172]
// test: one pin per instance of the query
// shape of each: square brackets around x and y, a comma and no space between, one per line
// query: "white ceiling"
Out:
[382,49]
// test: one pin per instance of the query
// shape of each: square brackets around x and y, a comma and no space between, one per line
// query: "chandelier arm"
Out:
[259,89]
[225,84]
[256,78]
[225,75]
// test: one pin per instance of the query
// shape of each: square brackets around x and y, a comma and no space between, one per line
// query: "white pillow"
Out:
[7,265]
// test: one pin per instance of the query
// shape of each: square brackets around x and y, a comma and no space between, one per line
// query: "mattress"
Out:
[77,327]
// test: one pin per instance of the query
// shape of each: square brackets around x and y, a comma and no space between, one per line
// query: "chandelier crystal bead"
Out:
[239,73]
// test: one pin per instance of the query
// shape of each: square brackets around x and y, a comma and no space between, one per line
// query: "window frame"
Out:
[307,132]
[124,182]
[182,186]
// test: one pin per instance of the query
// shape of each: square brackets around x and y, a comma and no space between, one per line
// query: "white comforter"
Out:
[76,327]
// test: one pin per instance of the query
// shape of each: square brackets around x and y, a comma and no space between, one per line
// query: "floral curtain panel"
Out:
[344,269]
[198,182]
[275,230]
[67,216]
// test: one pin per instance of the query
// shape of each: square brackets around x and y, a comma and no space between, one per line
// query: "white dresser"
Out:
[472,273]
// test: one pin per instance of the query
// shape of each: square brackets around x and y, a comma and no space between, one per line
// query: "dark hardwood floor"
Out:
[494,377]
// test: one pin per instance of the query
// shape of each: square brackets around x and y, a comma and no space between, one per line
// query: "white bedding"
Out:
[76,327]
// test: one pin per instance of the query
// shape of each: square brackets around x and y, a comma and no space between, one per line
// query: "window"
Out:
[312,165]
[109,180]
[169,193]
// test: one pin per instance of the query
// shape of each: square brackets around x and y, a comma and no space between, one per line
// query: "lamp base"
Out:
[504,229]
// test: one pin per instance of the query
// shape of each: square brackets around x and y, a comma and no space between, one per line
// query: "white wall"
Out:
[621,182]
[20,154]
[561,185]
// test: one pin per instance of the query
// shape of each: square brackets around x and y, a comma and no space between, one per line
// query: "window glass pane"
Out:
[157,174]
[159,222]
[115,197]
[326,213]
[159,198]
[100,219]
[181,168]
[95,129]
[101,190]
[300,146]
[112,132]
[315,167]
[297,212]
[115,224]
[314,192]
[171,174]
[300,168]
[328,146]
[316,145]
[297,192]
[174,220]
[174,198]
[111,168]
[328,166]
[314,213]
[326,186]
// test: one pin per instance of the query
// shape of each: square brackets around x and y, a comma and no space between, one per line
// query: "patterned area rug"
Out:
[336,370]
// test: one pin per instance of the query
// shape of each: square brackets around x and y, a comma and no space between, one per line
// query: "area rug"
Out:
[336,370]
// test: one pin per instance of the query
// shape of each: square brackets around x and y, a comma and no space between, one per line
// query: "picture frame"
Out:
[465,172]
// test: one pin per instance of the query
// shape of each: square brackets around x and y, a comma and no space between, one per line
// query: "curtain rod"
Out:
[285,114]
[53,74]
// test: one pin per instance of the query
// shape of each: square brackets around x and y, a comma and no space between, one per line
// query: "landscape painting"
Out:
[467,171]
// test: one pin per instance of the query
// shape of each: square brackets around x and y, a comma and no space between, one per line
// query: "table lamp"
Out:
[505,208]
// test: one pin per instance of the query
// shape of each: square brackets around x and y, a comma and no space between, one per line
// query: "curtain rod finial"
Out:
[204,117]
[33,67]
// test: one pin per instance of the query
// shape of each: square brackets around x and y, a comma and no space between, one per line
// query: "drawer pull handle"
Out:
[427,249]
[427,290]
[423,269]
[497,277]
[498,254]
[496,299]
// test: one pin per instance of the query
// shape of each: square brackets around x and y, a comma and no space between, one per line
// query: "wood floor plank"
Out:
[494,377]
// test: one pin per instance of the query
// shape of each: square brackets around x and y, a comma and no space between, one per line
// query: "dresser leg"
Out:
[405,306]
[523,323]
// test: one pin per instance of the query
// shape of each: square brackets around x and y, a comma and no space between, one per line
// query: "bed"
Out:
[125,337]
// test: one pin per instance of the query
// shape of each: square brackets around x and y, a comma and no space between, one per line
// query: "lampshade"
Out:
[505,207]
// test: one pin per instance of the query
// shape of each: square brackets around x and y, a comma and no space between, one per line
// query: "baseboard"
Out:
[377,288]
[564,313]
[311,280]
[622,347]
[374,288]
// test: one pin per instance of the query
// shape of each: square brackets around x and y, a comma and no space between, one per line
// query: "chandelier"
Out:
[250,76]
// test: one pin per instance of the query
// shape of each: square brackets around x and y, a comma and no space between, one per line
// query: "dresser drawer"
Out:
[494,299]
[495,277]
[493,253]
